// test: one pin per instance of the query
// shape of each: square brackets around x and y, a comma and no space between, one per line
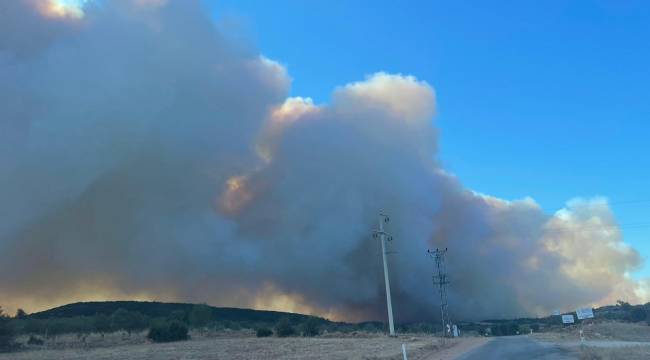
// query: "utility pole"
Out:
[384,236]
[441,281]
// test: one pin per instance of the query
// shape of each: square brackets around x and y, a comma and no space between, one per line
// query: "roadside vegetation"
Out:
[159,322]
[622,312]
[164,322]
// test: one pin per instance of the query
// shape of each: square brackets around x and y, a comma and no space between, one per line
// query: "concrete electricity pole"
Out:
[383,236]
[441,280]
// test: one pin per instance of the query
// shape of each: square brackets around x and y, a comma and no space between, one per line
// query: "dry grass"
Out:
[605,330]
[232,346]
[605,340]
[85,341]
[621,353]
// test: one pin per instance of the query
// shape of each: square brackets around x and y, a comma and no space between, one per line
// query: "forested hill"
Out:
[159,309]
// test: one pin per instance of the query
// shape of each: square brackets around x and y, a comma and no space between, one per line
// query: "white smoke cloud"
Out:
[146,155]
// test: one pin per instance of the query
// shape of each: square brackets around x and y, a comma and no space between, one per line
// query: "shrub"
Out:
[372,327]
[231,325]
[200,315]
[505,329]
[483,330]
[127,320]
[33,340]
[284,328]
[101,323]
[167,332]
[264,332]
[178,315]
[638,314]
[524,329]
[311,327]
[423,328]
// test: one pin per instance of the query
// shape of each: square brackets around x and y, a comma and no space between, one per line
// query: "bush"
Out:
[33,340]
[231,325]
[200,315]
[127,320]
[483,330]
[423,328]
[372,327]
[638,314]
[167,332]
[101,323]
[264,332]
[311,327]
[505,329]
[178,315]
[284,328]
[524,329]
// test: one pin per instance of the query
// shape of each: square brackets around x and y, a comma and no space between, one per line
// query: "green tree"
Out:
[6,333]
[21,314]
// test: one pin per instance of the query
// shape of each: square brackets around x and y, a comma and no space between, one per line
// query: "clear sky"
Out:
[543,99]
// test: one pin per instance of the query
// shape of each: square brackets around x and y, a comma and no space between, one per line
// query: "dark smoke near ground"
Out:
[144,154]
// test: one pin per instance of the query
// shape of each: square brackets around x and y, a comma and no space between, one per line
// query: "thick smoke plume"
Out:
[145,154]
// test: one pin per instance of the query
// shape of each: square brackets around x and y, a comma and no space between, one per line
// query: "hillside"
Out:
[160,309]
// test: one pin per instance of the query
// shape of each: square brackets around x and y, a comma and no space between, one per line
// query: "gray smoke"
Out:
[145,155]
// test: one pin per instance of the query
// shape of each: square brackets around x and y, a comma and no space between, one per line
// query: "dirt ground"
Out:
[235,346]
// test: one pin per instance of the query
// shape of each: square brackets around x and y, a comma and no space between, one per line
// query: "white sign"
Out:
[568,319]
[585,313]
[556,313]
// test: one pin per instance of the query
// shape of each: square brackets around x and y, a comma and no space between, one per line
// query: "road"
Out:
[517,348]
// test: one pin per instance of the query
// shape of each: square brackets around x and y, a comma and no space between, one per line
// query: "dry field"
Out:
[607,340]
[234,346]
[617,353]
[597,331]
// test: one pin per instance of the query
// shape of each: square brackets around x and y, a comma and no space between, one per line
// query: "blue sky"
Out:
[543,99]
